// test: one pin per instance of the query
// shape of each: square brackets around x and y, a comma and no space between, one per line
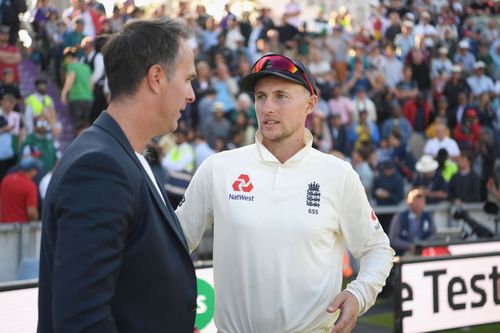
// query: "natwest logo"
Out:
[243,184]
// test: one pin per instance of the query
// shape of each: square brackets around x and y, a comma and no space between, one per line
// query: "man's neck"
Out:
[284,149]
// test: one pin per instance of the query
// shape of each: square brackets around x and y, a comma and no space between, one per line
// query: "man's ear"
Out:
[154,76]
[311,104]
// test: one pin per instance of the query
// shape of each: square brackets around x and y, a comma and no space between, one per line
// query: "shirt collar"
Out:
[266,156]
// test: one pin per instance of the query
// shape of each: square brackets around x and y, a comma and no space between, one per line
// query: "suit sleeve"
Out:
[94,207]
[367,242]
[196,212]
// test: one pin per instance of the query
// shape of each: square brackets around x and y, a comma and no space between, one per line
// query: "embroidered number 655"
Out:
[312,211]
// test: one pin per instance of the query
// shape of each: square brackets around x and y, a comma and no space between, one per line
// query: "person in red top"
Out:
[467,132]
[18,193]
[418,112]
[9,54]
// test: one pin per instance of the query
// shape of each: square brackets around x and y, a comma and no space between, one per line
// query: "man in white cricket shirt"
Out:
[282,212]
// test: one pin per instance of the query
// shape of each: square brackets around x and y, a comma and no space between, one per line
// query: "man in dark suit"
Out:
[113,256]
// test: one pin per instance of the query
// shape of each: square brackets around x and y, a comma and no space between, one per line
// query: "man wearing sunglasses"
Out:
[282,212]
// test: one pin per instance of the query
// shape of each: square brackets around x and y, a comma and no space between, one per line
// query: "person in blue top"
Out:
[411,226]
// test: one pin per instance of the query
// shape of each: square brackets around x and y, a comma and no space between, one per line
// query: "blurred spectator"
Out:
[40,145]
[467,132]
[179,164]
[10,56]
[441,64]
[464,57]
[201,150]
[7,156]
[359,164]
[464,186]
[478,82]
[77,92]
[319,130]
[484,163]
[359,79]
[455,86]
[392,67]
[337,46]
[38,103]
[405,41]
[425,31]
[338,133]
[419,61]
[446,167]
[74,37]
[430,181]
[225,86]
[361,102]
[95,60]
[9,17]
[441,141]
[242,125]
[341,105]
[411,226]
[485,110]
[363,132]
[388,185]
[217,126]
[19,194]
[397,122]
[406,88]
[8,86]
[418,112]
[400,155]
[394,28]
[14,119]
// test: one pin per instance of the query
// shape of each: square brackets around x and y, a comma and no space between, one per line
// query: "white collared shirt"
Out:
[279,237]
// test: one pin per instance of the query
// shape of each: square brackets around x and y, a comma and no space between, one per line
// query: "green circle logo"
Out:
[204,304]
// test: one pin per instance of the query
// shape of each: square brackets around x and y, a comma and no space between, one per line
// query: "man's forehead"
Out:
[274,83]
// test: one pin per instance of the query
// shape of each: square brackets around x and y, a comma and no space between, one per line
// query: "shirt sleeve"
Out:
[366,240]
[195,212]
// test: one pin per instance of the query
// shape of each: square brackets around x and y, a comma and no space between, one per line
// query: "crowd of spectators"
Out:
[411,96]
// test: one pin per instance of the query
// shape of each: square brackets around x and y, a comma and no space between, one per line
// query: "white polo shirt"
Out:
[279,232]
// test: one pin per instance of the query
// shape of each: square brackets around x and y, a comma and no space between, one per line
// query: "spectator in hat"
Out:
[388,185]
[468,130]
[413,225]
[19,193]
[465,185]
[464,56]
[10,56]
[479,82]
[426,31]
[429,180]
[442,140]
[77,89]
[405,41]
[441,64]
[217,125]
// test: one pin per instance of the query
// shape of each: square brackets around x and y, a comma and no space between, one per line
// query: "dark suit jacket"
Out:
[113,256]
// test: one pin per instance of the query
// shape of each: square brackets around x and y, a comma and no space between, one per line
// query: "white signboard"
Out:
[454,292]
[19,308]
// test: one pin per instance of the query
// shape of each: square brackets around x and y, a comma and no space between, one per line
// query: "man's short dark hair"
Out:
[129,54]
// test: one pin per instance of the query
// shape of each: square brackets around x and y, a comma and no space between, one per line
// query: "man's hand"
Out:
[349,309]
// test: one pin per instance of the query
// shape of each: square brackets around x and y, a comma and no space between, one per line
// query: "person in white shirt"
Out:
[441,141]
[281,222]
[479,83]
[441,64]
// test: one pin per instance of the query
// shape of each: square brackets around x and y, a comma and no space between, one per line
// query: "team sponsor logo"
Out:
[313,198]
[242,184]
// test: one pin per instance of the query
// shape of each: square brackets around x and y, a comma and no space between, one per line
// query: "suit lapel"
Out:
[108,124]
